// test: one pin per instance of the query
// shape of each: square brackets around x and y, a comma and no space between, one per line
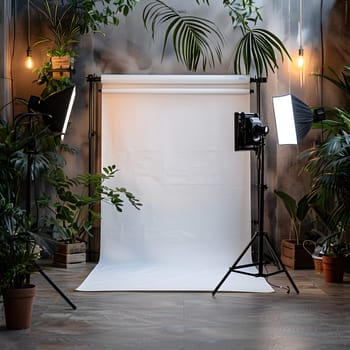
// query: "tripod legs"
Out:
[235,265]
[262,237]
[73,306]
[281,266]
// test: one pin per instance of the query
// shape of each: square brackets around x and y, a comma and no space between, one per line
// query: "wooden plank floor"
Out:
[317,318]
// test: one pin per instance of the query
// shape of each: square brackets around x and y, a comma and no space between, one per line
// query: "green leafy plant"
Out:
[66,21]
[19,233]
[195,40]
[327,163]
[62,22]
[72,207]
[51,85]
[335,244]
[332,238]
[18,253]
[95,14]
[342,81]
[258,48]
[329,167]
[340,122]
[297,211]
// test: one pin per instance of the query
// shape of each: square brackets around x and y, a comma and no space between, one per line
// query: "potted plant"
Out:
[18,248]
[73,212]
[66,21]
[18,255]
[328,166]
[194,39]
[334,250]
[293,253]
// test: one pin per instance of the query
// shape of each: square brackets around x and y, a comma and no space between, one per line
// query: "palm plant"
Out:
[258,48]
[297,211]
[339,123]
[342,81]
[329,167]
[328,163]
[196,39]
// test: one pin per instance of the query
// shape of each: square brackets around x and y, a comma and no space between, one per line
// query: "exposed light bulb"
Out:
[301,58]
[29,60]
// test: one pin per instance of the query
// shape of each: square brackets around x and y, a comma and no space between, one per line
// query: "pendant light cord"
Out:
[28,24]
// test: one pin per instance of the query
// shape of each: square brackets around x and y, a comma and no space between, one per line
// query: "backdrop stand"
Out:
[94,155]
[260,236]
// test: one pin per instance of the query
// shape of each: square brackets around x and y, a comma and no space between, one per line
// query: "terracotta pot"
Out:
[333,269]
[18,305]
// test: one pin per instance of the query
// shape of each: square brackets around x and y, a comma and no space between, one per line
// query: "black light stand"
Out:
[260,236]
[94,151]
[30,151]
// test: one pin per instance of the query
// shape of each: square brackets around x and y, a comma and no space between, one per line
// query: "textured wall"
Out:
[130,49]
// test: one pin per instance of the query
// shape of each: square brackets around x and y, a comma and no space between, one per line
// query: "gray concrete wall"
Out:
[128,48]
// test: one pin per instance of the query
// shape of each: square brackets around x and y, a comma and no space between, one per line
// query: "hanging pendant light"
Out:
[301,58]
[29,59]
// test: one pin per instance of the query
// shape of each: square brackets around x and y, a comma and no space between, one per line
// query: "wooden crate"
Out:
[295,256]
[69,254]
[61,66]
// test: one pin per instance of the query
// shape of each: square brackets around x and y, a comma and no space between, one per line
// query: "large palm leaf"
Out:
[195,40]
[261,49]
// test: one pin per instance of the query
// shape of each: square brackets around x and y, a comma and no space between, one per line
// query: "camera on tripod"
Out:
[249,131]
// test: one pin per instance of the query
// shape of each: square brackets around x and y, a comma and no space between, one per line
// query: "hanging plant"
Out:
[66,21]
[195,40]
[258,48]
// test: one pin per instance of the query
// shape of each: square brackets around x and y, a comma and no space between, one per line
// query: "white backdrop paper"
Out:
[172,139]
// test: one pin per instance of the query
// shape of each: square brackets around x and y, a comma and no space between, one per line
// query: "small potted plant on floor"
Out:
[18,251]
[293,254]
[334,249]
[18,255]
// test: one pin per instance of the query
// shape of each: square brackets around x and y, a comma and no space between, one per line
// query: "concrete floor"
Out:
[317,318]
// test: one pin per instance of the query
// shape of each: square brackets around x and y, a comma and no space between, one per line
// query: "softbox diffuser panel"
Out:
[59,106]
[293,119]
